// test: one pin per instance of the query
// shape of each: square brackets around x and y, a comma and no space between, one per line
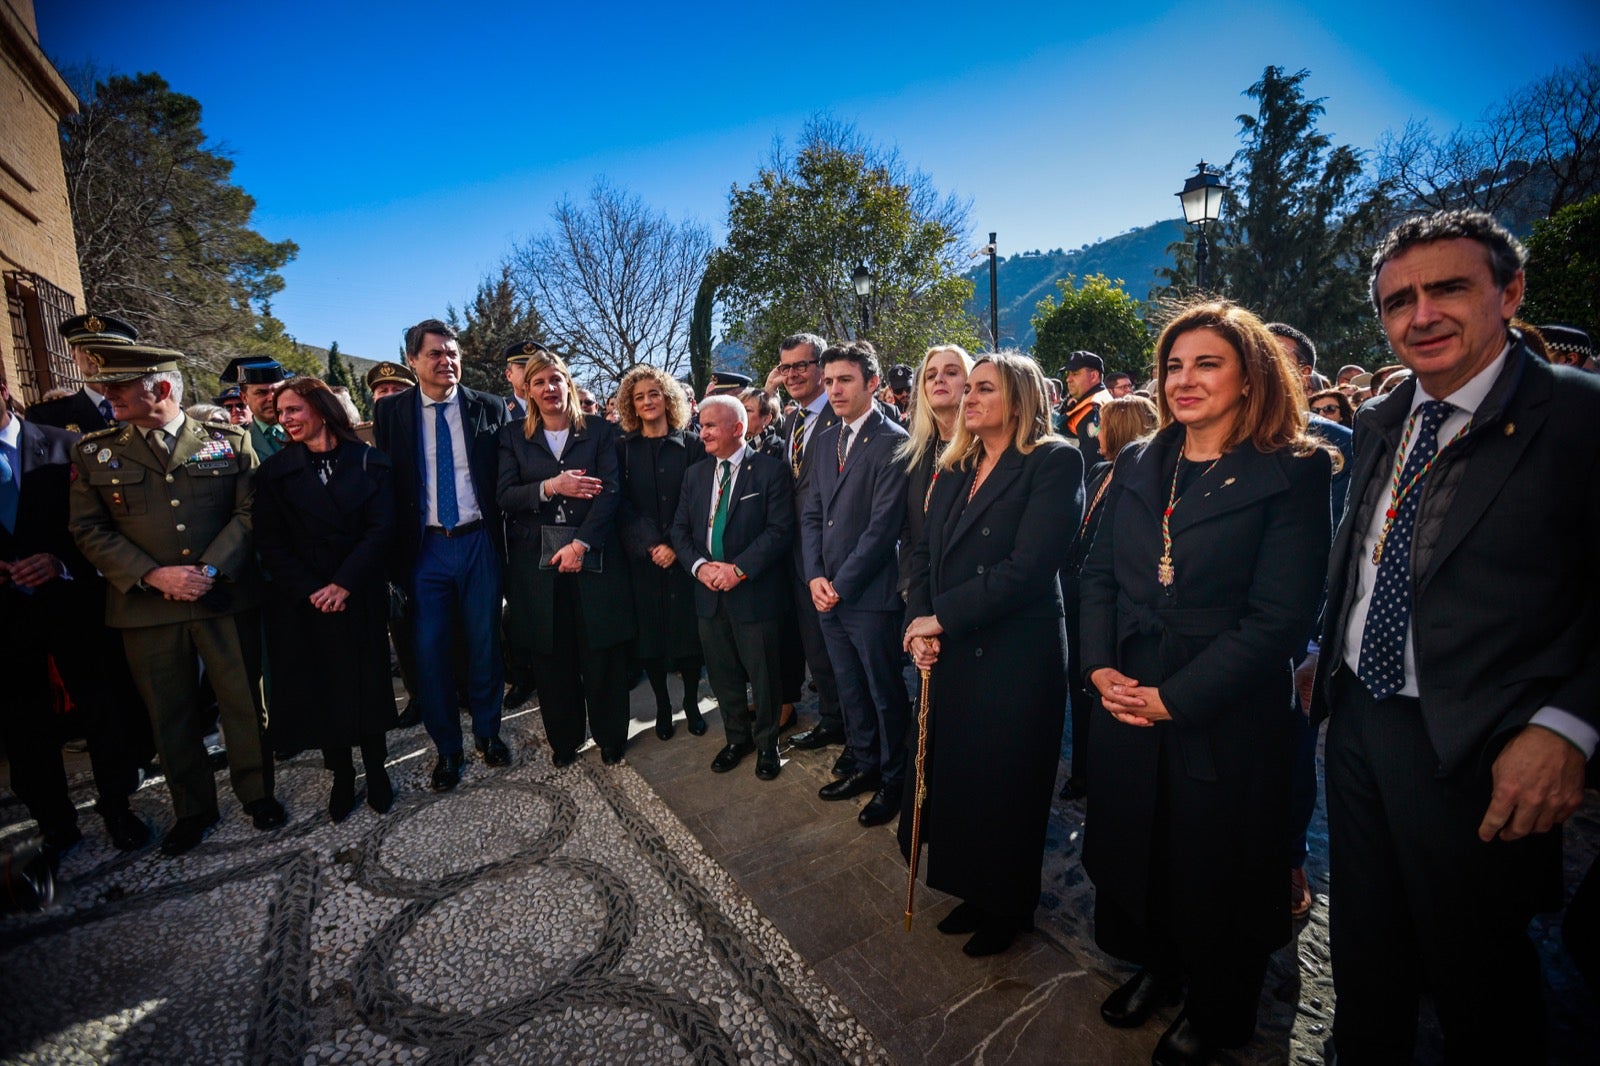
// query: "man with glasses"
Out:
[231,400]
[799,371]
[587,402]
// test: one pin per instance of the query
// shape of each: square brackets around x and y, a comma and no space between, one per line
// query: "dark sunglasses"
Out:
[1330,411]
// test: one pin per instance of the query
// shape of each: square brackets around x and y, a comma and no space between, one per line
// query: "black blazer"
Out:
[850,519]
[1505,581]
[395,422]
[76,410]
[42,507]
[310,534]
[756,540]
[650,498]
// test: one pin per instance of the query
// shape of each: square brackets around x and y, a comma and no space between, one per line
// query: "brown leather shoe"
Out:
[1299,893]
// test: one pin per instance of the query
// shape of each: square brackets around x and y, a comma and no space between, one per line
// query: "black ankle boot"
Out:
[664,728]
[342,798]
[697,723]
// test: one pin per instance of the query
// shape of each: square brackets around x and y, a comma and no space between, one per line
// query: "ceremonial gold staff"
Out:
[918,795]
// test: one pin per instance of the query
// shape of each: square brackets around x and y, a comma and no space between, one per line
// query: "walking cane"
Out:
[918,795]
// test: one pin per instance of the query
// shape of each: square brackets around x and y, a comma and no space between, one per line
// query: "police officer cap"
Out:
[519,352]
[230,393]
[1085,361]
[80,330]
[391,373]
[116,361]
[900,376]
[729,381]
[1569,340]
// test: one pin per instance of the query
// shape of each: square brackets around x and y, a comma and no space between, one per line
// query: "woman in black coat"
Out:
[985,610]
[931,422]
[1200,588]
[656,451]
[570,609]
[323,515]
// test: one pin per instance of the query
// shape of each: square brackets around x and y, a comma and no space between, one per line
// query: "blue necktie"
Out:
[444,470]
[10,491]
[1383,639]
[105,411]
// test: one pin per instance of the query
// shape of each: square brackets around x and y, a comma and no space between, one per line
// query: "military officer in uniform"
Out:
[161,506]
[384,379]
[516,355]
[258,378]
[87,409]
[1081,422]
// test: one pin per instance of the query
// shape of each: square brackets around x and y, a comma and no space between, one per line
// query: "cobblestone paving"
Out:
[533,914]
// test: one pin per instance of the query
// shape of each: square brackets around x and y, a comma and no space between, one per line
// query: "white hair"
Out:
[173,377]
[732,404]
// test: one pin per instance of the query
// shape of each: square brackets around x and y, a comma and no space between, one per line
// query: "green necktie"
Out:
[719,521]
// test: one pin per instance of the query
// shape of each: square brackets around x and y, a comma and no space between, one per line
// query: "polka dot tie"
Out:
[1383,640]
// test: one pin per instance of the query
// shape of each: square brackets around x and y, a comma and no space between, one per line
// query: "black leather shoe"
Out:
[517,696]
[266,813]
[664,727]
[446,773]
[846,787]
[342,797]
[964,919]
[494,751]
[816,737]
[767,765]
[611,756]
[696,720]
[1182,1045]
[882,807]
[730,756]
[126,830]
[186,833]
[993,935]
[844,765]
[1131,1005]
[55,843]
[563,758]
[380,790]
[1074,789]
[409,717]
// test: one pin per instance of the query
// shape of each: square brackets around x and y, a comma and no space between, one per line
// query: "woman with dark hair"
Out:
[323,516]
[570,607]
[935,408]
[656,451]
[761,425]
[986,617]
[1200,588]
[1333,405]
[1122,421]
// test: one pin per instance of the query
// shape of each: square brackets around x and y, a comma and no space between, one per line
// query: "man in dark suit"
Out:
[86,410]
[1458,666]
[799,371]
[732,531]
[450,542]
[850,525]
[51,605]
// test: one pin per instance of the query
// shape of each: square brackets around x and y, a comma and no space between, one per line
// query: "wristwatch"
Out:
[742,575]
[209,570]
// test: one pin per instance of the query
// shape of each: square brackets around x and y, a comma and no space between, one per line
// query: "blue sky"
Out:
[406,146]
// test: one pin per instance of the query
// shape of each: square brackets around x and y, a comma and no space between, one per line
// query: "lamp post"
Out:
[1202,203]
[994,296]
[861,278]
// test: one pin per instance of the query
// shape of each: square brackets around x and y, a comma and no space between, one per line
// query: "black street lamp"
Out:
[1202,203]
[861,278]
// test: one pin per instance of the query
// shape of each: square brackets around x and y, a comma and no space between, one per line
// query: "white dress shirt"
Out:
[467,509]
[813,417]
[716,494]
[1465,402]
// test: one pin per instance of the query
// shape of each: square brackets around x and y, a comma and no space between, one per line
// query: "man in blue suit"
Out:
[849,526]
[442,437]
[732,531]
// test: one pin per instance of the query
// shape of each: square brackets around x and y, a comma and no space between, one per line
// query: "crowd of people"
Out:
[1202,569]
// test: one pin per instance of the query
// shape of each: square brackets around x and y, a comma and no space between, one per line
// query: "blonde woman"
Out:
[934,410]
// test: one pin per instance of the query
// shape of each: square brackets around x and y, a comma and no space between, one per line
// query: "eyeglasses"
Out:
[234,406]
[798,364]
[1329,411]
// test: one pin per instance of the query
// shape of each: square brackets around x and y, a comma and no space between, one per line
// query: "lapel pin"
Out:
[1511,427]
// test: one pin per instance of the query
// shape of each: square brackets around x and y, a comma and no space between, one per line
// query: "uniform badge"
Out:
[103,455]
[115,464]
[88,449]
[72,427]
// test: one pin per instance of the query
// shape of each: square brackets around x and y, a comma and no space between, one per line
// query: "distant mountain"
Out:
[1027,278]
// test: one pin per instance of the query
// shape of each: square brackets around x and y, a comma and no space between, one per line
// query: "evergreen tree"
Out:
[1564,268]
[1099,316]
[497,315]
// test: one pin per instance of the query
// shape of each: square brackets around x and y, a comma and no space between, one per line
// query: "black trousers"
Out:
[816,653]
[1419,901]
[740,654]
[577,682]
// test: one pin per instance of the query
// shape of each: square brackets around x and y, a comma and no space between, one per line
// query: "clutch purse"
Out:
[553,538]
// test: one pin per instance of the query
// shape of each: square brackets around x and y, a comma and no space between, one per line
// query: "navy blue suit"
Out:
[850,526]
[449,576]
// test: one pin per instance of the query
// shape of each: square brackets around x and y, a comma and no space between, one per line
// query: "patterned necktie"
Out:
[1383,639]
[844,447]
[10,492]
[797,445]
[719,521]
[444,470]
[106,412]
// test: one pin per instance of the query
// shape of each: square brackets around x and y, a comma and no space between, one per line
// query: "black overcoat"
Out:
[987,570]
[331,682]
[1250,544]
[663,598]
[605,598]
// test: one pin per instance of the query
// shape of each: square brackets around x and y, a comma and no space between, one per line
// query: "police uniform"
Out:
[1081,421]
[132,512]
[243,370]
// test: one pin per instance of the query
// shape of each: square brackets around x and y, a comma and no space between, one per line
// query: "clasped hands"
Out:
[183,583]
[568,559]
[823,597]
[663,556]
[31,572]
[1128,701]
[330,598]
[574,484]
[922,641]
[718,577]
